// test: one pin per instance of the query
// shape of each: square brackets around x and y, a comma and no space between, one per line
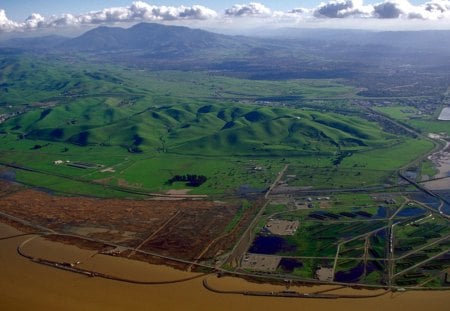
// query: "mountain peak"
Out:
[145,36]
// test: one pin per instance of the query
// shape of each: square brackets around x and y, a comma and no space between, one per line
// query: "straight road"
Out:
[246,239]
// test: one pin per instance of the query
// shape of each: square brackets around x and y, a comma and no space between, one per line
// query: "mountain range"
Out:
[158,37]
[149,37]
[370,60]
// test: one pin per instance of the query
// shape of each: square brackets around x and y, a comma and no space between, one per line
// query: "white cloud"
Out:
[140,10]
[250,9]
[34,21]
[299,11]
[136,12]
[389,9]
[347,11]
[393,9]
[5,23]
[433,10]
[342,9]
[437,6]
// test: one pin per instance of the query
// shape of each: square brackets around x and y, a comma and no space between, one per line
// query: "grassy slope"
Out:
[199,129]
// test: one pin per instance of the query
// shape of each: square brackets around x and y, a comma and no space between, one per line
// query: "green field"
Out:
[425,122]
[137,129]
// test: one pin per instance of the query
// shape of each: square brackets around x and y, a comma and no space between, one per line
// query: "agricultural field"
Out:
[425,120]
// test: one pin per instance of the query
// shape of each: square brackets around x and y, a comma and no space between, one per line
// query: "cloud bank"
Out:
[138,11]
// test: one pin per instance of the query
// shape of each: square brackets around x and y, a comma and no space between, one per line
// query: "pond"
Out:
[411,211]
[446,209]
[354,275]
[426,199]
[289,264]
[382,212]
[247,190]
[270,245]
[351,276]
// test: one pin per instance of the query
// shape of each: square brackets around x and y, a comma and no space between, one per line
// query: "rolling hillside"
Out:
[200,129]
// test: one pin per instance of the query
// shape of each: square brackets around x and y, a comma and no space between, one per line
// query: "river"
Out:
[441,160]
[25,285]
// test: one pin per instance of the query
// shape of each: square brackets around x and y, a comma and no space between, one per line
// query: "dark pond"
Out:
[374,266]
[247,190]
[347,214]
[329,215]
[290,264]
[426,199]
[446,209]
[381,234]
[411,174]
[411,211]
[8,175]
[351,276]
[446,196]
[271,245]
[364,214]
[382,212]
[354,275]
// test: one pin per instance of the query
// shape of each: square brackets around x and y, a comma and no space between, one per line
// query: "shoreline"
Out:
[70,291]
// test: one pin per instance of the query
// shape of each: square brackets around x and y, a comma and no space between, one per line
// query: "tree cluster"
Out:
[191,180]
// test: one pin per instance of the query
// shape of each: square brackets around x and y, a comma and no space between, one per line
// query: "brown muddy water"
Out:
[25,285]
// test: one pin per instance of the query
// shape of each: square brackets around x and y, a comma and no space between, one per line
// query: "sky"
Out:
[57,15]
[21,9]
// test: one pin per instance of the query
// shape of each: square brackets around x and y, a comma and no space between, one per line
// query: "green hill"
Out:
[211,129]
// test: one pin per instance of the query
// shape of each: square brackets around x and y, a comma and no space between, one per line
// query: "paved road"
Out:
[246,239]
[274,184]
